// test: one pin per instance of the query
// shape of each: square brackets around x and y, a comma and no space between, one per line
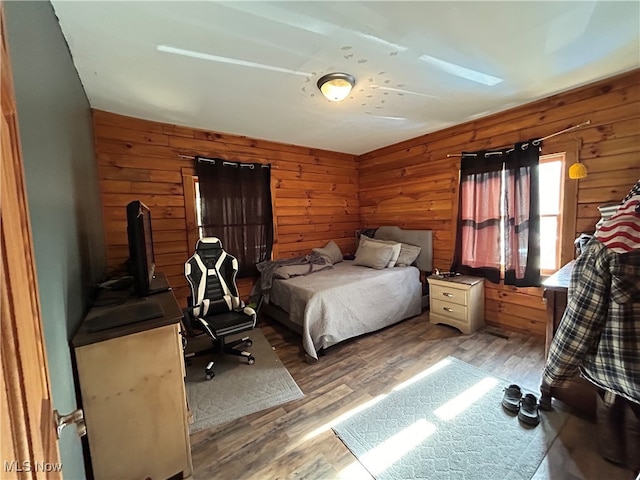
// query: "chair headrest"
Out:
[208,243]
[208,246]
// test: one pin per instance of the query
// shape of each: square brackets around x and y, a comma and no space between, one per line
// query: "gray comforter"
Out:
[347,301]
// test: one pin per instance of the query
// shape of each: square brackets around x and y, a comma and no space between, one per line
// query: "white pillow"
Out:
[396,248]
[373,255]
[331,252]
[408,255]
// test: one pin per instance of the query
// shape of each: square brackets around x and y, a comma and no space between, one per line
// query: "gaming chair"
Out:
[215,309]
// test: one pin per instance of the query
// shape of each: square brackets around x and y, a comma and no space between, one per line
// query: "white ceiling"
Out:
[251,67]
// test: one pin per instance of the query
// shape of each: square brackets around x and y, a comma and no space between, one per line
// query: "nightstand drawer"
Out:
[449,294]
[449,310]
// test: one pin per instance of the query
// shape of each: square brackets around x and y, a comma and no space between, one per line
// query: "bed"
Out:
[348,300]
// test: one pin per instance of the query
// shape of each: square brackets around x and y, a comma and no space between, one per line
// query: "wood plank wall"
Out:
[321,196]
[315,192]
[414,184]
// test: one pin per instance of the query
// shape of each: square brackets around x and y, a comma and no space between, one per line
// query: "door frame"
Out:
[29,447]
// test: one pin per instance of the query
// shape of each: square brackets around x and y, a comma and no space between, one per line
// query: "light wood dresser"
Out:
[133,395]
[457,301]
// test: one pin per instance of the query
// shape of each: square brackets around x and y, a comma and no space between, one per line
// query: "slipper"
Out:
[529,413]
[511,398]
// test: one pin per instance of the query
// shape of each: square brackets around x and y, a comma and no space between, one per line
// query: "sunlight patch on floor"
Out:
[343,417]
[385,454]
[461,402]
[434,368]
[423,374]
[392,449]
[355,471]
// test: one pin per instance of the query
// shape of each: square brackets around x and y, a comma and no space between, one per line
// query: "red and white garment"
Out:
[621,232]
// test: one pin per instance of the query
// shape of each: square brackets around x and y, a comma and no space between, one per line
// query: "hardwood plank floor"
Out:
[295,441]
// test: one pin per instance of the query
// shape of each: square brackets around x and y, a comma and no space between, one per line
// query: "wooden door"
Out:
[29,447]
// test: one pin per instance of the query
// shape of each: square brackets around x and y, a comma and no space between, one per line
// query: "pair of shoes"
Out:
[525,406]
[511,398]
[529,410]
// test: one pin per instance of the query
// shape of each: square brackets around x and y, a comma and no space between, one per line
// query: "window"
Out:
[199,219]
[550,193]
[551,212]
[555,183]
[231,201]
[498,215]
[198,207]
[485,225]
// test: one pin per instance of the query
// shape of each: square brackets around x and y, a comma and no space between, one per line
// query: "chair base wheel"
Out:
[248,343]
[209,371]
[251,360]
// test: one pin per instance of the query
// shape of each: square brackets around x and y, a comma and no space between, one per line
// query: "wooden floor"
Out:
[295,441]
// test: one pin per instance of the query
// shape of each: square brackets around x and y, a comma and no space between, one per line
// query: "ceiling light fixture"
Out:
[336,86]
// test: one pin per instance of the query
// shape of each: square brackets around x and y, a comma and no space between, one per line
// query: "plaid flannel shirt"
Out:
[600,330]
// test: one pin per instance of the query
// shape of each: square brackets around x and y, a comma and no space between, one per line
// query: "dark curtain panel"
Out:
[522,216]
[236,208]
[499,216]
[477,248]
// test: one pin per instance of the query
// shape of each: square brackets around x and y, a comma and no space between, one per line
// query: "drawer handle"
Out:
[447,309]
[447,294]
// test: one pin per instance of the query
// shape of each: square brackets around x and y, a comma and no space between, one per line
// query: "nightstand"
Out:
[457,301]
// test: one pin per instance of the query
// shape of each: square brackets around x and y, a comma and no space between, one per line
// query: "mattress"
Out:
[346,301]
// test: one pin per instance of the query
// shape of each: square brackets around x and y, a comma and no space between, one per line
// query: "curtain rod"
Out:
[534,142]
[224,162]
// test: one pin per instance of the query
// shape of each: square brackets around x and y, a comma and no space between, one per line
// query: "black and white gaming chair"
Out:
[215,308]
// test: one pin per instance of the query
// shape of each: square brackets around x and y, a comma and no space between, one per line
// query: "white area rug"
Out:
[448,424]
[238,389]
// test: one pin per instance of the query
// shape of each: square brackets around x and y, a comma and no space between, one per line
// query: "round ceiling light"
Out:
[336,86]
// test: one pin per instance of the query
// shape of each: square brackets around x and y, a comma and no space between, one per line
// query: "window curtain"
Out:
[477,247]
[522,216]
[235,204]
[499,215]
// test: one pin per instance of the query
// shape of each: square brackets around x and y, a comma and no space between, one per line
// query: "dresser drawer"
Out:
[449,310]
[449,294]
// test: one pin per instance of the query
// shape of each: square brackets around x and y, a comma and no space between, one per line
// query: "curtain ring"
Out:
[536,142]
[250,165]
[524,146]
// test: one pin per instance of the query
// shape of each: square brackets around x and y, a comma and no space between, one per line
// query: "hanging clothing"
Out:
[620,232]
[600,330]
[599,333]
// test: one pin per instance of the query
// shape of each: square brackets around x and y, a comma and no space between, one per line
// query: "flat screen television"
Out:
[141,263]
